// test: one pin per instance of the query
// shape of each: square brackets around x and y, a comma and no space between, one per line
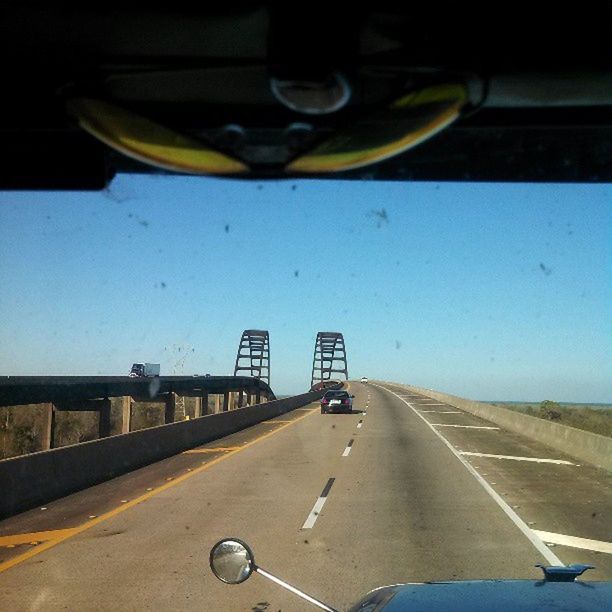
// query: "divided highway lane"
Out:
[398,506]
[565,503]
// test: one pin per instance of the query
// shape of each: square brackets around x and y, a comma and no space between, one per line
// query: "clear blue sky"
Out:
[487,291]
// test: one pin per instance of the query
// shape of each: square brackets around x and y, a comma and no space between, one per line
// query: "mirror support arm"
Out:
[299,593]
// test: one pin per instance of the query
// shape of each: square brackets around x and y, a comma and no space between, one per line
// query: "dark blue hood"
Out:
[486,595]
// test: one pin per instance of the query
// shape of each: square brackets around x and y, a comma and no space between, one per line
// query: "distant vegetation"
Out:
[20,431]
[597,420]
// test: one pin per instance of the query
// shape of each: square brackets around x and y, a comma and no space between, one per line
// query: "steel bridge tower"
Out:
[329,349]
[254,354]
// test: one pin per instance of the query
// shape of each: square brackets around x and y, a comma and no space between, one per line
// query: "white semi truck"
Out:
[144,370]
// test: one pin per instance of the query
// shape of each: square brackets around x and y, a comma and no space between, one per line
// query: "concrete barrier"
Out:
[38,478]
[583,445]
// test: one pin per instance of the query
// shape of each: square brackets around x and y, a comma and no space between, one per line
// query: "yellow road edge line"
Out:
[34,536]
[274,422]
[134,502]
[220,449]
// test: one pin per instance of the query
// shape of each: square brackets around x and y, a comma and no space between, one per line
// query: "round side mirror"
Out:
[231,561]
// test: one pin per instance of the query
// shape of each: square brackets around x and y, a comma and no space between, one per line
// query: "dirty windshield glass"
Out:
[478,313]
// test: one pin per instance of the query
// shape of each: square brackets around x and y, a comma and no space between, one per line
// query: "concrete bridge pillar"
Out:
[126,414]
[104,415]
[48,426]
[201,405]
[170,408]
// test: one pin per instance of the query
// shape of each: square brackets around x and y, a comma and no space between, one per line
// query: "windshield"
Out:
[447,294]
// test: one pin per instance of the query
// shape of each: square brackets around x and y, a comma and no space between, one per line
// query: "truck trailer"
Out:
[144,370]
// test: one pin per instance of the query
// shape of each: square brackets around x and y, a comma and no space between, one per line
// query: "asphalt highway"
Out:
[335,504]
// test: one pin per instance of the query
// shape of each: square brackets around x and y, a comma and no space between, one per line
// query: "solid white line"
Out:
[514,517]
[346,452]
[574,542]
[443,411]
[462,426]
[534,459]
[314,513]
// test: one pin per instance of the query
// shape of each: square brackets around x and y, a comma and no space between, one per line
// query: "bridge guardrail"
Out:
[38,478]
[22,390]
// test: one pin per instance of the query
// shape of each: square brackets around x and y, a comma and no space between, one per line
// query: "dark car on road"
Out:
[337,401]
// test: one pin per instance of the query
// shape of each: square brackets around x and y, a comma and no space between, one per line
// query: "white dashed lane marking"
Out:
[513,458]
[347,450]
[316,510]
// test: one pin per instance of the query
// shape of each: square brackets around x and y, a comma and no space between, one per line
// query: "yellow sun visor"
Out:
[149,142]
[404,124]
